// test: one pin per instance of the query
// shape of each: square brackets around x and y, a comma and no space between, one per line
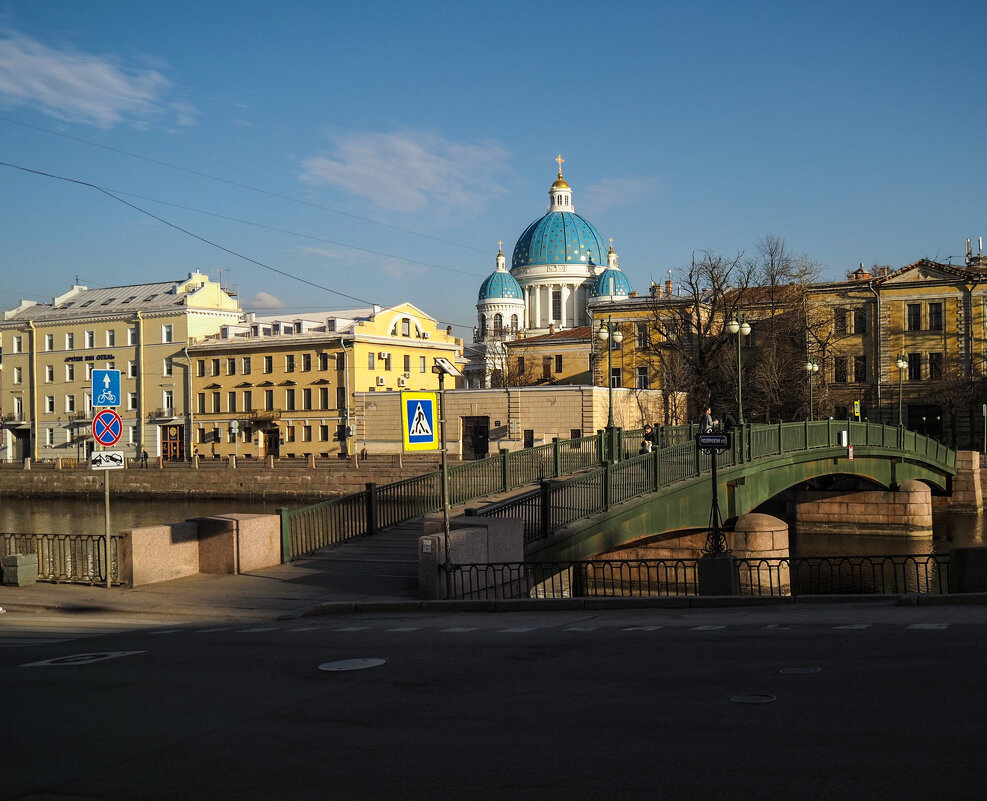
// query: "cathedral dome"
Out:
[500,284]
[559,237]
[611,283]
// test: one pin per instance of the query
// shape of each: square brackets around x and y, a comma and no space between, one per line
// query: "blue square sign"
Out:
[106,388]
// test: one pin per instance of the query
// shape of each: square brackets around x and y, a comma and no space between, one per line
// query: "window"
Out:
[201,403]
[200,368]
[498,324]
[370,361]
[16,345]
[323,433]
[49,341]
[269,399]
[231,366]
[839,370]
[860,321]
[246,365]
[323,397]
[131,336]
[289,400]
[89,338]
[483,326]
[546,367]
[230,435]
[641,335]
[323,361]
[387,362]
[248,401]
[167,332]
[306,362]
[513,322]
[70,372]
[859,369]
[306,433]
[87,402]
[70,403]
[340,361]
[215,367]
[407,364]
[216,402]
[935,363]
[49,436]
[340,398]
[111,339]
[839,322]
[935,320]
[50,404]
[268,364]
[89,372]
[132,434]
[289,363]
[18,375]
[520,365]
[914,317]
[558,363]
[131,400]
[49,373]
[131,369]
[641,379]
[615,377]
[18,407]
[168,368]
[557,305]
[289,434]
[231,401]
[70,342]
[422,364]
[405,327]
[914,366]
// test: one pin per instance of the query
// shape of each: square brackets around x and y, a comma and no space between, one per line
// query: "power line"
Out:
[239,185]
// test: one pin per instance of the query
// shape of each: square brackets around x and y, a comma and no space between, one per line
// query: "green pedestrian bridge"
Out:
[596,493]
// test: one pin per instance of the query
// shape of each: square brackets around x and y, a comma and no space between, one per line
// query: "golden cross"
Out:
[560,161]
[611,243]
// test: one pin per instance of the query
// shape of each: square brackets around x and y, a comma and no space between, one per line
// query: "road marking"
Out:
[166,631]
[351,628]
[305,628]
[707,628]
[251,631]
[853,627]
[518,630]
[642,628]
[76,660]
[777,627]
[934,626]
[460,629]
[16,643]
[581,628]
[406,628]
[210,631]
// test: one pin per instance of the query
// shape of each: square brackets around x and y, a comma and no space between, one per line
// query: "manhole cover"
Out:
[799,671]
[352,664]
[757,698]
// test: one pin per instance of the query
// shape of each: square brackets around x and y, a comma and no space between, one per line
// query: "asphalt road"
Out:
[875,702]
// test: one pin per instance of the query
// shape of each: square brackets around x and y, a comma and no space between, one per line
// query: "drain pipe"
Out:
[877,343]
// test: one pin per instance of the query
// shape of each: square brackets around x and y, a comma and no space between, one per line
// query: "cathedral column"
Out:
[527,303]
[566,298]
[537,290]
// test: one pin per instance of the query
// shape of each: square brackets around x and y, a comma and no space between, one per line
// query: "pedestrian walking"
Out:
[144,459]
[707,422]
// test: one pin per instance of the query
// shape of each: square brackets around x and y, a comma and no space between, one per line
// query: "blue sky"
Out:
[381,149]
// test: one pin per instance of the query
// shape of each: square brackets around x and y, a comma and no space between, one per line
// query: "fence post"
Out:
[601,448]
[371,507]
[781,437]
[546,509]
[607,489]
[285,535]
[698,457]
[505,473]
[576,582]
[657,466]
[806,436]
[557,456]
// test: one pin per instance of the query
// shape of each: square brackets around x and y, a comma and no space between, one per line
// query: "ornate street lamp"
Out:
[740,327]
[810,368]
[604,334]
[901,364]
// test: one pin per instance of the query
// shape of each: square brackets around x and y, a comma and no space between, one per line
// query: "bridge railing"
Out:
[68,558]
[557,504]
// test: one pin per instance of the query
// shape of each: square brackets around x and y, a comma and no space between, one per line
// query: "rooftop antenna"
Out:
[221,270]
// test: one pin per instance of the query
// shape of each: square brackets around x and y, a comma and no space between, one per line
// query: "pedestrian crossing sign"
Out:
[419,421]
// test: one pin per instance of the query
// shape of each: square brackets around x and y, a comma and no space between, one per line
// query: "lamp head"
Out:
[733,326]
[745,328]
[618,337]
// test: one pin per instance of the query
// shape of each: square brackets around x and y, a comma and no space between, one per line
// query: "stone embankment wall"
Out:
[905,512]
[255,482]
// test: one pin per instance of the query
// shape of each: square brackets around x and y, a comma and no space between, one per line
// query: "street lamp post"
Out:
[604,335]
[901,364]
[810,368]
[740,327]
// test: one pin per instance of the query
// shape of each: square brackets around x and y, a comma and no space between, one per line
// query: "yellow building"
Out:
[50,351]
[283,386]
[559,357]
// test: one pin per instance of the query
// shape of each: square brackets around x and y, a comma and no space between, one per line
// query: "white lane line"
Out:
[211,631]
[406,628]
[518,630]
[13,642]
[351,628]
[166,631]
[460,629]
[853,627]
[642,628]
[251,631]
[707,628]
[581,628]
[932,626]
[777,627]
[305,628]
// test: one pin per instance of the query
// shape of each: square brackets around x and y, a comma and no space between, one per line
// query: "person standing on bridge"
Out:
[707,422]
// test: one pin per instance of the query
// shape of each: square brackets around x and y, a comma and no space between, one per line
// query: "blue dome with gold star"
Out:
[500,284]
[559,237]
[611,282]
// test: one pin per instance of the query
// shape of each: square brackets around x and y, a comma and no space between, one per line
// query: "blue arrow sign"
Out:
[106,388]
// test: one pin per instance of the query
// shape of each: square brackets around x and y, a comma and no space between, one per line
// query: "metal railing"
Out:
[68,558]
[658,578]
[556,504]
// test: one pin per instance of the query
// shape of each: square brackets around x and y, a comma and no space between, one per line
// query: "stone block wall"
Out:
[905,512]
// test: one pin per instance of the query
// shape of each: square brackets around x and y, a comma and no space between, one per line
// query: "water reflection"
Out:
[69,516]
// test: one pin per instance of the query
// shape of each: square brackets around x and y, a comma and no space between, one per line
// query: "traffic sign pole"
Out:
[107,428]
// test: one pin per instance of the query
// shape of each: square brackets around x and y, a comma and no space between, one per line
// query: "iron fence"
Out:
[845,575]
[68,558]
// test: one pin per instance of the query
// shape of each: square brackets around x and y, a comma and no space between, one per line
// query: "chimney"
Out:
[668,287]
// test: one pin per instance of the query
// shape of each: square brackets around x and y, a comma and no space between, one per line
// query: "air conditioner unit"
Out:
[407,375]
[380,381]
[383,354]
[402,381]
[425,335]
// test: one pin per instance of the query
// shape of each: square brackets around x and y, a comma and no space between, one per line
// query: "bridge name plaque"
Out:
[713,442]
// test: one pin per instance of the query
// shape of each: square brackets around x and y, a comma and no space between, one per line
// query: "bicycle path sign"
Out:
[107,427]
[106,388]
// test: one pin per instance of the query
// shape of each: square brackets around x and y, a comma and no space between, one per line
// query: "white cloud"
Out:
[410,170]
[263,300]
[613,193]
[82,87]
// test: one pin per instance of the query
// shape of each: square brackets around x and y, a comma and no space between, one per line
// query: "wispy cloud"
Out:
[409,170]
[612,193]
[83,87]
[355,261]
[264,300]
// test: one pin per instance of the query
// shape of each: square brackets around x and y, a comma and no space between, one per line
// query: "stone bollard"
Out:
[717,574]
[20,569]
[311,461]
[27,464]
[160,463]
[195,462]
[270,462]
[431,556]
[232,461]
[58,463]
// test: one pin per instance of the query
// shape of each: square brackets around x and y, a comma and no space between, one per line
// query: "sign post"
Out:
[713,444]
[107,429]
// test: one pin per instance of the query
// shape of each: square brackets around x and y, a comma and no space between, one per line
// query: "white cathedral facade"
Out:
[560,268]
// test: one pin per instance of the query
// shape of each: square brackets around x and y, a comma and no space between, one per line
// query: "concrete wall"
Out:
[906,512]
[221,544]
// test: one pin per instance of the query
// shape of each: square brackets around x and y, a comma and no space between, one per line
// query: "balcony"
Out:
[15,420]
[80,418]
[166,414]
[260,415]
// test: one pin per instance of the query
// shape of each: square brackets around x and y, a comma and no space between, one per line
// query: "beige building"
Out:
[50,351]
[283,386]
